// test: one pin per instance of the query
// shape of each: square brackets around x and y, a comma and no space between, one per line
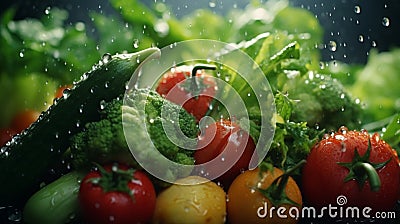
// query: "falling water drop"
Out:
[212,4]
[385,21]
[136,43]
[332,46]
[361,38]
[47,10]
[357,9]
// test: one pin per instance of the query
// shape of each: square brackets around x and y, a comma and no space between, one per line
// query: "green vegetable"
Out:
[392,133]
[38,55]
[322,101]
[30,155]
[104,141]
[377,85]
[56,203]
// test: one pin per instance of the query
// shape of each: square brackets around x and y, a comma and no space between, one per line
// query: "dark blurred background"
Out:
[353,26]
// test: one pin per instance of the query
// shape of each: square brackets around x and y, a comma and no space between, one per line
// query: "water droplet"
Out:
[162,28]
[66,93]
[385,21]
[136,43]
[16,216]
[47,10]
[360,38]
[357,9]
[343,130]
[107,84]
[332,46]
[106,58]
[21,54]
[102,104]
[373,43]
[212,4]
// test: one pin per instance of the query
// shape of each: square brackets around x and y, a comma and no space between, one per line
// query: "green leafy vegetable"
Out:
[377,85]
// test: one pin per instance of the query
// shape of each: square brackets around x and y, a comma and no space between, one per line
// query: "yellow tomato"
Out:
[189,202]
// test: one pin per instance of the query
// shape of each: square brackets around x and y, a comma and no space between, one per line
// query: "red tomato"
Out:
[105,199]
[60,90]
[24,119]
[229,141]
[175,86]
[329,164]
[6,134]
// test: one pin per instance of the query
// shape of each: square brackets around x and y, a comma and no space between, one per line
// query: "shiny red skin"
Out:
[195,105]
[323,178]
[117,207]
[228,140]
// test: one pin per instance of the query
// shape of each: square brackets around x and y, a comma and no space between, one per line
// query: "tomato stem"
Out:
[285,177]
[362,169]
[194,85]
[368,170]
[276,191]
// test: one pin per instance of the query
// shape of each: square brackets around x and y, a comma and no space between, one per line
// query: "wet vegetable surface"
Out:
[337,65]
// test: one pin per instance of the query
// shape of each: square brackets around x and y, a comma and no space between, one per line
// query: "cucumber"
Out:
[56,203]
[28,157]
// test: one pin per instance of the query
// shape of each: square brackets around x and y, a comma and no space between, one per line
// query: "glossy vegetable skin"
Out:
[49,136]
[229,141]
[355,164]
[55,203]
[193,91]
[247,204]
[119,196]
[189,202]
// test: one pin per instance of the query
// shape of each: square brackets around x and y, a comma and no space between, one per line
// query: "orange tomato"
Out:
[246,204]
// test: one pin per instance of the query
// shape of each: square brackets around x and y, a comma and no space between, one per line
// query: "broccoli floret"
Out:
[322,101]
[104,141]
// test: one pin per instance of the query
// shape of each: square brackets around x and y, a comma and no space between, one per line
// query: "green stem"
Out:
[194,85]
[285,177]
[361,168]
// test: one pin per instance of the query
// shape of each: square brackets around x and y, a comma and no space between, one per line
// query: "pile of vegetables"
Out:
[72,163]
